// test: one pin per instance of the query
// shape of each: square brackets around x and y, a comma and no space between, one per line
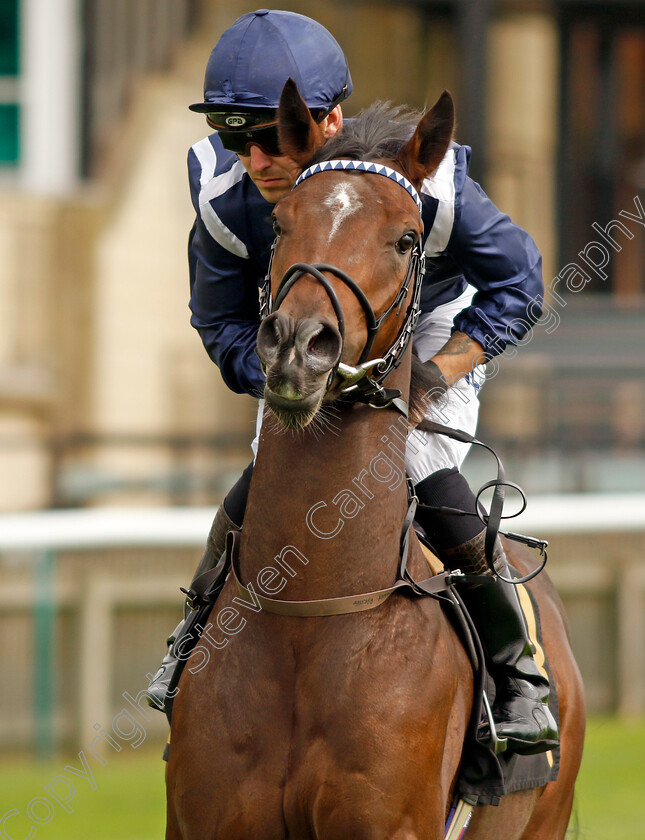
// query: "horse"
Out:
[304,719]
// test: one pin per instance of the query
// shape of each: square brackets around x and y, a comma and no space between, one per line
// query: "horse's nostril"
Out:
[271,334]
[323,347]
[321,343]
[315,343]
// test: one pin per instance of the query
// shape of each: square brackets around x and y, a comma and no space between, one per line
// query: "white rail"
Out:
[105,528]
[112,527]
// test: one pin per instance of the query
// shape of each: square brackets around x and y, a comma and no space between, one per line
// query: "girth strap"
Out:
[326,606]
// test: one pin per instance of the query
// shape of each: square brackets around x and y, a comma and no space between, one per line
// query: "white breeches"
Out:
[427,453]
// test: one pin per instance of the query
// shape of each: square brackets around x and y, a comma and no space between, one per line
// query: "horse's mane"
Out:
[377,132]
[423,390]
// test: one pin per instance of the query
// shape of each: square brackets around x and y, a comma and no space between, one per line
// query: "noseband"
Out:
[359,385]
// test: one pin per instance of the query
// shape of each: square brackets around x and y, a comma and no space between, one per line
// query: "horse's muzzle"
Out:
[298,356]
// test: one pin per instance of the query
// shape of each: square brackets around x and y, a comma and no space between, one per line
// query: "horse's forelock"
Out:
[377,132]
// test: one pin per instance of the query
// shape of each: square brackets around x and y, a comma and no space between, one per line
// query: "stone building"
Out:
[106,394]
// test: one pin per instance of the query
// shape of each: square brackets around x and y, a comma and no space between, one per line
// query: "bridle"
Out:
[363,382]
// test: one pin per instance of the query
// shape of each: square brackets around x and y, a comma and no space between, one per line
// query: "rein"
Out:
[363,382]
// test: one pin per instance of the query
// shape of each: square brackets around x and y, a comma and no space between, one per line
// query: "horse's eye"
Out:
[276,227]
[405,243]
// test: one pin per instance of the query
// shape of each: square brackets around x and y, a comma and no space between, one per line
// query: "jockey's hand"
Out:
[458,357]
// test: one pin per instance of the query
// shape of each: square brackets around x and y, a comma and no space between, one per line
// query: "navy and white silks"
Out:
[483,277]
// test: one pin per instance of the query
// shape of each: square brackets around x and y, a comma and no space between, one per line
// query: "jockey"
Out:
[482,290]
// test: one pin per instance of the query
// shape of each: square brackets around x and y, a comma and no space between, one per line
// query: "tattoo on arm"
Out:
[459,356]
[458,344]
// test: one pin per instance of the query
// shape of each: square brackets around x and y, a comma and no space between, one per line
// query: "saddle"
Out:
[485,775]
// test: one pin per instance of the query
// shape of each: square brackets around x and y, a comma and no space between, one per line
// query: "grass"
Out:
[128,803]
[611,784]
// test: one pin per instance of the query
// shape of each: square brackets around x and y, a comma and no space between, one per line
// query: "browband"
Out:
[362,166]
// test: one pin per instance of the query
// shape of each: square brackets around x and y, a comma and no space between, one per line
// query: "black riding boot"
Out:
[215,544]
[522,688]
[520,711]
[229,513]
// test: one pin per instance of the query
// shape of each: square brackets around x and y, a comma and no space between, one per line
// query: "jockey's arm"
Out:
[224,306]
[223,274]
[503,263]
[458,357]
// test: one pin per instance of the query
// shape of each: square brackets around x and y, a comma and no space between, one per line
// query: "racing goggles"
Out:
[239,130]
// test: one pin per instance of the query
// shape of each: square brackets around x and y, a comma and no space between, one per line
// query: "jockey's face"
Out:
[275,175]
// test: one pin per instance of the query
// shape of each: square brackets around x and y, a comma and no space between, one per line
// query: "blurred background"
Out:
[117,436]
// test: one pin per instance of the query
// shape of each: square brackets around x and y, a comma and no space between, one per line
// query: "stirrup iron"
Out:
[498,745]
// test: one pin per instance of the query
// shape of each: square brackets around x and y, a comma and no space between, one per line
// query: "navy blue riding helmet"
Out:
[253,59]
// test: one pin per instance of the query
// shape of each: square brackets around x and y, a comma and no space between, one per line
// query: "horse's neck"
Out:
[329,501]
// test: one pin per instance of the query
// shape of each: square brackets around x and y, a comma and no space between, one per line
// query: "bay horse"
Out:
[351,725]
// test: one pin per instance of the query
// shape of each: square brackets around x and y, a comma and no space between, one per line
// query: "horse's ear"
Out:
[300,137]
[425,150]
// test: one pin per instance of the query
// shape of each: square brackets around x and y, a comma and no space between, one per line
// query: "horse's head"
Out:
[347,252]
